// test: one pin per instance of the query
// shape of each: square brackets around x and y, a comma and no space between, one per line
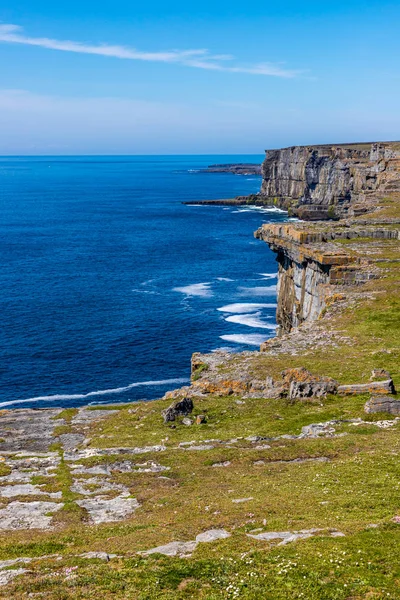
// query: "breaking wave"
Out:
[254,339]
[119,390]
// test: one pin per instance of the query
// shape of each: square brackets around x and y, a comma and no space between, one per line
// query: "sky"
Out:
[175,77]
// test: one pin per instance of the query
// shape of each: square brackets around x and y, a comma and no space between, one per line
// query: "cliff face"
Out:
[320,182]
[312,268]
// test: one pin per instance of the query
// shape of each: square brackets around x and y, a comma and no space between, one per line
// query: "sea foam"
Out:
[254,339]
[195,289]
[245,307]
[59,397]
[251,320]
[257,291]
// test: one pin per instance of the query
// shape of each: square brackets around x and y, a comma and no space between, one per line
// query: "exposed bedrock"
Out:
[323,182]
[313,270]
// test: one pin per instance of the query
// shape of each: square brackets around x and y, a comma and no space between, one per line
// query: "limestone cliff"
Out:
[320,182]
[311,267]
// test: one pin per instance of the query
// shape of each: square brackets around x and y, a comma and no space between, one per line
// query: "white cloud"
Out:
[197,58]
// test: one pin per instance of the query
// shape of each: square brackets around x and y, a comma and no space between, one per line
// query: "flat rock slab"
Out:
[7,576]
[291,536]
[98,555]
[185,549]
[69,441]
[119,467]
[28,515]
[103,511]
[103,486]
[86,416]
[212,535]
[90,452]
[26,489]
[182,549]
[23,469]
[28,429]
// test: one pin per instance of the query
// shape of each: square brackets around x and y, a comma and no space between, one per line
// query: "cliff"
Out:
[311,267]
[326,181]
[320,182]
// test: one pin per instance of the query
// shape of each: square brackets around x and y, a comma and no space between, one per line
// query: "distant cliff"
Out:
[322,182]
[326,181]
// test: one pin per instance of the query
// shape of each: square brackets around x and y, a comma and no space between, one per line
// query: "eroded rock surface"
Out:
[28,515]
[382,404]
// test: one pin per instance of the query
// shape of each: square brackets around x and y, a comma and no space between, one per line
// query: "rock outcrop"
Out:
[330,182]
[312,269]
[382,404]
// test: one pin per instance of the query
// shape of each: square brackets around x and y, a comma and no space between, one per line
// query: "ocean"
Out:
[109,283]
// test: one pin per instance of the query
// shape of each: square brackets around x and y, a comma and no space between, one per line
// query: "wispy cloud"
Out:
[197,58]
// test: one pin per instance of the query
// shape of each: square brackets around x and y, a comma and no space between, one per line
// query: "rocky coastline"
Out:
[326,181]
[285,456]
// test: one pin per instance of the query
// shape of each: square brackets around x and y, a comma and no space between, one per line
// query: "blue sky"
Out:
[86,77]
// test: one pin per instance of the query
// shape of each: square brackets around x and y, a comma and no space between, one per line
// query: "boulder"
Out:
[378,387]
[382,404]
[379,374]
[178,408]
[300,383]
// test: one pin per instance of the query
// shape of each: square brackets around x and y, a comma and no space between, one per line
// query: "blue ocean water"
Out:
[109,283]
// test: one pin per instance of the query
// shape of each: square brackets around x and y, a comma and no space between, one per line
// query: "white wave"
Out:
[224,279]
[254,339]
[257,291]
[251,320]
[268,275]
[244,307]
[195,289]
[255,208]
[138,291]
[119,390]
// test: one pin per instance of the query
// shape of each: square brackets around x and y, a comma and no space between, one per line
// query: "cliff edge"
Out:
[322,182]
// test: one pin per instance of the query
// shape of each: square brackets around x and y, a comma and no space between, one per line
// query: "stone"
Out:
[71,440]
[200,419]
[382,404]
[103,511]
[226,463]
[28,429]
[186,421]
[303,384]
[378,387]
[182,549]
[99,555]
[28,515]
[26,489]
[86,416]
[102,487]
[378,374]
[178,408]
[285,536]
[7,576]
[241,500]
[212,535]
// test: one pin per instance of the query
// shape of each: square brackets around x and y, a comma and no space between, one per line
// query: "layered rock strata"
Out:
[326,181]
[310,265]
[320,182]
